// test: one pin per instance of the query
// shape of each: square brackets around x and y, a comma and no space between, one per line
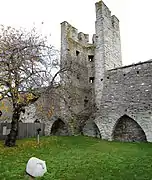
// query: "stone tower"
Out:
[121,96]
[107,47]
[90,61]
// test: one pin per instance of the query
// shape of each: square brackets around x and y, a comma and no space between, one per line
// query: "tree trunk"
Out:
[11,137]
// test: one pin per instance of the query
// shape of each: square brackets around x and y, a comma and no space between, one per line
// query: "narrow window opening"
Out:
[101,79]
[90,58]
[78,76]
[137,72]
[77,53]
[108,77]
[91,80]
[86,101]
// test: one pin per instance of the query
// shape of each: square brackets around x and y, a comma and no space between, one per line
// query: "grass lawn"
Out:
[79,158]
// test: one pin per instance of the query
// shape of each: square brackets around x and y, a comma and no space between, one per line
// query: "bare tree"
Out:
[27,65]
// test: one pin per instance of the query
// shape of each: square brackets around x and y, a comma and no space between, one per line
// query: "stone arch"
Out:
[59,128]
[128,130]
[49,124]
[91,129]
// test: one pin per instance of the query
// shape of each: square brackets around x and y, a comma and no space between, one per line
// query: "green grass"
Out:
[79,158]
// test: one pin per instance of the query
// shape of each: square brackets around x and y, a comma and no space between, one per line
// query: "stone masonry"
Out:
[122,96]
[127,91]
[112,101]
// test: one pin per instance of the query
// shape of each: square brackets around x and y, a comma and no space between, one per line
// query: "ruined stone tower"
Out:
[121,97]
[90,61]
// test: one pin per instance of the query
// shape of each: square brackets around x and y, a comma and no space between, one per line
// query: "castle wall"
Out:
[127,91]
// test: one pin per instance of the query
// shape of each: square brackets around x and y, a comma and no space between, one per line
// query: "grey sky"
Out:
[134,15]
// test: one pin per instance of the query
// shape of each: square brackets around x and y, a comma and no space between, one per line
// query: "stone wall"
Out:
[127,91]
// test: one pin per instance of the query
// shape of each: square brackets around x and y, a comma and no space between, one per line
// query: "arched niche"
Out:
[91,129]
[59,128]
[128,130]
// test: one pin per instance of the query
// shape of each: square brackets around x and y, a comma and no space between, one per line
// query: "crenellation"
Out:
[115,22]
[102,10]
[94,39]
[70,31]
[83,38]
[86,37]
[73,32]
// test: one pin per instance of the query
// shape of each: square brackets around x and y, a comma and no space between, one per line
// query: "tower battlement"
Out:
[72,32]
[102,9]
[103,12]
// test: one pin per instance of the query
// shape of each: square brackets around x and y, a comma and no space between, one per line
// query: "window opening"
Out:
[90,58]
[91,80]
[78,76]
[86,102]
[77,53]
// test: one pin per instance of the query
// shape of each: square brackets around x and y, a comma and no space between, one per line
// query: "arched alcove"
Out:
[91,129]
[59,128]
[128,130]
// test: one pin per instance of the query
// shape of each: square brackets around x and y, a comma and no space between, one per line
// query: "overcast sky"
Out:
[135,21]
